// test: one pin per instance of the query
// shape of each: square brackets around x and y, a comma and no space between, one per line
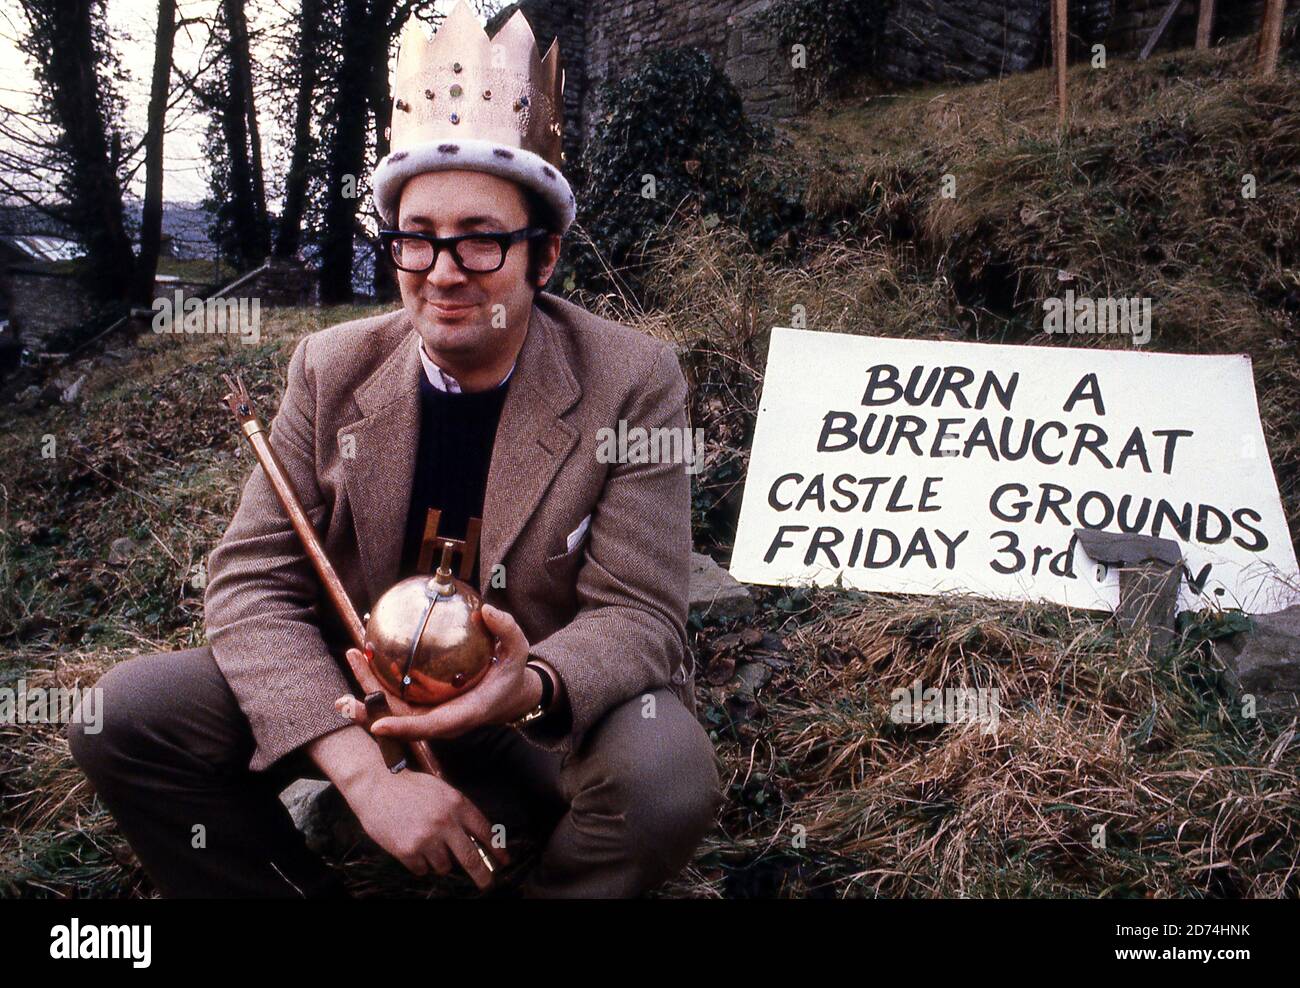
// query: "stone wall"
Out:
[281,282]
[565,19]
[938,40]
[1134,20]
[922,41]
[42,303]
[967,40]
[598,38]
[619,30]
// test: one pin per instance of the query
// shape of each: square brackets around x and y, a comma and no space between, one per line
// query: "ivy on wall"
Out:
[671,138]
[838,38]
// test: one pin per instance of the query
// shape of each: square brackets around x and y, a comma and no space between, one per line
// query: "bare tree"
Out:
[241,68]
[288,237]
[347,151]
[241,225]
[152,209]
[72,62]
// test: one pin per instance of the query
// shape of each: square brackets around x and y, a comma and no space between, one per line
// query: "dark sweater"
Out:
[457,432]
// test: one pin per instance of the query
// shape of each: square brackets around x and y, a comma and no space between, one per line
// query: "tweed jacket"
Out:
[607,609]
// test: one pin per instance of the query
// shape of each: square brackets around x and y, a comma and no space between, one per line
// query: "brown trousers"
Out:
[617,816]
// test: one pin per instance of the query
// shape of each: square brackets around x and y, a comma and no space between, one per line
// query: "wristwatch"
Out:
[544,704]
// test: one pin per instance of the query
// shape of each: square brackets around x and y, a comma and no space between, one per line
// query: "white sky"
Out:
[133,23]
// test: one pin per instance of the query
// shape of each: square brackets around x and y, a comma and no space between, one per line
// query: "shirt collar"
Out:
[443,381]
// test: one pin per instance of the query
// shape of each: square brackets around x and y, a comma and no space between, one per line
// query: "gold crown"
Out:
[461,85]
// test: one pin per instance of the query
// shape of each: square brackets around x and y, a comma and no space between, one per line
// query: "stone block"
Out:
[1265,663]
[714,593]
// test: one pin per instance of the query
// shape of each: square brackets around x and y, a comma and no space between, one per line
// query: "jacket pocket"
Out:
[562,562]
[561,572]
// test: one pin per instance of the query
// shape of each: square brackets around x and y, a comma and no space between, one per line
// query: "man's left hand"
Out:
[507,691]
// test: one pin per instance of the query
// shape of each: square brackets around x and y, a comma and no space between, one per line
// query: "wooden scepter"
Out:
[378,702]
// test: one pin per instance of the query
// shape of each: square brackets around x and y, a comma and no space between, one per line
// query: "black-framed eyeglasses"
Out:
[476,253]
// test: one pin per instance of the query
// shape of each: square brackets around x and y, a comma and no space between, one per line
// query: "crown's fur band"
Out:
[515,164]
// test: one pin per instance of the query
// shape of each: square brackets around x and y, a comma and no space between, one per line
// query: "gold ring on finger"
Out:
[487,861]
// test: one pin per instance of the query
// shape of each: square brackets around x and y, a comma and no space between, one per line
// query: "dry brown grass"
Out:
[1193,799]
[150,456]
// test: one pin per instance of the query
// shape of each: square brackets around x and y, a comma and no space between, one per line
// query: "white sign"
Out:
[912,466]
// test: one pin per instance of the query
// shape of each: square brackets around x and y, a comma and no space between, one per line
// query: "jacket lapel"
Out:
[532,440]
[378,475]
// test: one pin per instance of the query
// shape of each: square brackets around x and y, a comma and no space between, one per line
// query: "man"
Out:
[483,397]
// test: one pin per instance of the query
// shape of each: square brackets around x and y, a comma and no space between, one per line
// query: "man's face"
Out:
[469,317]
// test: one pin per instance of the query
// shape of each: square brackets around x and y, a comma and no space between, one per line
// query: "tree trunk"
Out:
[247,196]
[242,61]
[347,154]
[151,213]
[380,98]
[62,39]
[288,236]
[1205,24]
[1061,53]
[1270,37]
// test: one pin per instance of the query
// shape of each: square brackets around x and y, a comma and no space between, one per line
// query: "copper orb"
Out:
[425,638]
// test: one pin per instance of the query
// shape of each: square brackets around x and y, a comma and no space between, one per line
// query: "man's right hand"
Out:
[424,823]
[419,819]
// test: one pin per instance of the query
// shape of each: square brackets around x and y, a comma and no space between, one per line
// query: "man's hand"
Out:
[507,691]
[425,823]
[418,819]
